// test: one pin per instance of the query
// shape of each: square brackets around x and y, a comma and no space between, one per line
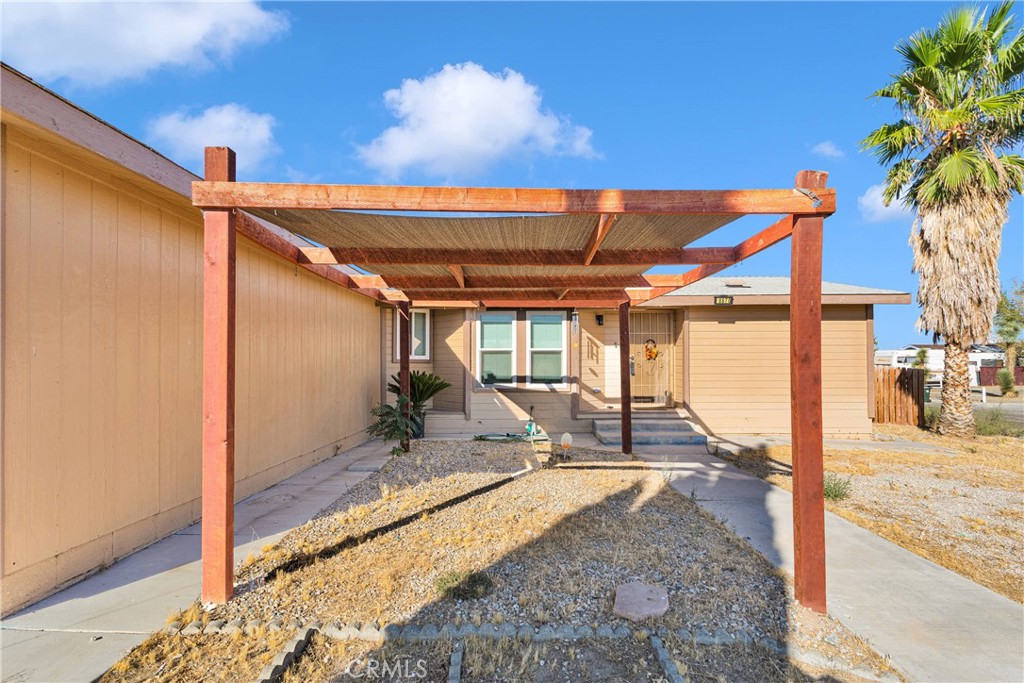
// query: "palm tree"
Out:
[961,109]
[1009,322]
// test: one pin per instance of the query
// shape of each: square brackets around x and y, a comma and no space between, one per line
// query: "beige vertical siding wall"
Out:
[449,344]
[102,311]
[599,369]
[392,365]
[739,369]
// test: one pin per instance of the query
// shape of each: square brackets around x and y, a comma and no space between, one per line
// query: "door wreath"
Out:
[650,349]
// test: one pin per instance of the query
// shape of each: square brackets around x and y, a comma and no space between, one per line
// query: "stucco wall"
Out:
[102,361]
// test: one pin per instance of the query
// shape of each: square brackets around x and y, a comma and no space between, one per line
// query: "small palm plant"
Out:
[960,103]
[391,424]
[423,386]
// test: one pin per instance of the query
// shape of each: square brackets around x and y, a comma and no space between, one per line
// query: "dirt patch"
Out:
[508,659]
[962,510]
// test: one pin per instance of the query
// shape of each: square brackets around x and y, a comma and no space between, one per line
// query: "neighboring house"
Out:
[980,356]
[723,366]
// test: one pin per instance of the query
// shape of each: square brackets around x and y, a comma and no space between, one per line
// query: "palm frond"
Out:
[955,170]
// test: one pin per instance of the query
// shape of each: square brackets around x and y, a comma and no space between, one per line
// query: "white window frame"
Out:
[480,348]
[395,334]
[529,350]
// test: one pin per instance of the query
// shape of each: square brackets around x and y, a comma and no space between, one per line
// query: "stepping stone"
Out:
[638,601]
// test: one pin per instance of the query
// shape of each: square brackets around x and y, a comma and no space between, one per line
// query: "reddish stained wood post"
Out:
[805,387]
[627,396]
[218,530]
[404,349]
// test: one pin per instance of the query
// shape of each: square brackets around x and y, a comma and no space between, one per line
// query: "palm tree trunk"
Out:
[956,418]
[1011,355]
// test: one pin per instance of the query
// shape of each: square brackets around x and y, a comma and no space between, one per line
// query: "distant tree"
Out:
[1009,322]
[961,109]
[921,361]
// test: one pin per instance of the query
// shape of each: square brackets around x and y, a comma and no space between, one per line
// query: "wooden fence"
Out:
[989,376]
[899,396]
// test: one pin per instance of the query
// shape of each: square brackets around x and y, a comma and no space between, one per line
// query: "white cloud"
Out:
[827,148]
[183,137]
[98,43]
[460,121]
[873,209]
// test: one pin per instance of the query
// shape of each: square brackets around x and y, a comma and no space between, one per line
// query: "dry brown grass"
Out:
[976,464]
[187,659]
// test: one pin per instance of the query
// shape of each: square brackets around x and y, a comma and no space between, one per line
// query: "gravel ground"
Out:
[961,507]
[627,660]
[983,525]
[345,661]
[554,543]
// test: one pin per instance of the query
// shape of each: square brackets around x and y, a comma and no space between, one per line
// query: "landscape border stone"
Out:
[546,632]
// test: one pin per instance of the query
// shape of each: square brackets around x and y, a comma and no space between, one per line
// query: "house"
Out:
[102,345]
[980,356]
[690,356]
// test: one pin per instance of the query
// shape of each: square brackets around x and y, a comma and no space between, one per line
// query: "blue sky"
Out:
[681,95]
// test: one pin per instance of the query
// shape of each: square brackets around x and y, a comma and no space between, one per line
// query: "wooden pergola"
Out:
[559,249]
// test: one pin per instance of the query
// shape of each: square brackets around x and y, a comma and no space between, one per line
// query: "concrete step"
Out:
[664,424]
[613,437]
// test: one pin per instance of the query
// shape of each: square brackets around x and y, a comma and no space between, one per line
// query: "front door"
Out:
[650,348]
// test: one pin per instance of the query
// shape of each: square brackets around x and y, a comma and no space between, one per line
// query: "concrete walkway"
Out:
[934,624]
[76,634]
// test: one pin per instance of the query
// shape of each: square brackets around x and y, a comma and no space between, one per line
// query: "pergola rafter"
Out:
[559,259]
[517,257]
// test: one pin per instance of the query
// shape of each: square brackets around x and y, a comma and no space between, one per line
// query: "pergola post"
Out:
[805,386]
[404,349]
[624,377]
[218,510]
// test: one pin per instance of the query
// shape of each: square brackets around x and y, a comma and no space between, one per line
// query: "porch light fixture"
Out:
[575,321]
[600,319]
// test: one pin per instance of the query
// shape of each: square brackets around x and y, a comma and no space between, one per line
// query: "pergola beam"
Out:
[518,282]
[671,256]
[524,294]
[773,234]
[604,224]
[222,195]
[550,303]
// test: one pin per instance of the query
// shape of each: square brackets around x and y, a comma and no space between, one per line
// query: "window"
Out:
[419,344]
[496,348]
[545,355]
